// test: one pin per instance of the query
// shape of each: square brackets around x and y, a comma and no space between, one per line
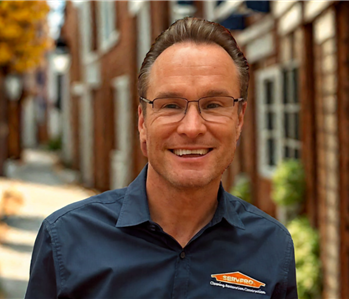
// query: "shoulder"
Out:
[108,202]
[254,218]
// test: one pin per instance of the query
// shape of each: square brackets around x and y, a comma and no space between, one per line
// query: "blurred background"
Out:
[68,118]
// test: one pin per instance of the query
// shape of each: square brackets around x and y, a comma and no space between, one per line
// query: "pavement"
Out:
[34,188]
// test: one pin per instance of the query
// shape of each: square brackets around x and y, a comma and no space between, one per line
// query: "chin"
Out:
[195,181]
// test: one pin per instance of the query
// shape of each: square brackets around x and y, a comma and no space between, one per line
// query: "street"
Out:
[34,188]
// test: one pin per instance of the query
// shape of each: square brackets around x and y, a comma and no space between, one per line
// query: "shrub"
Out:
[306,243]
[242,188]
[288,183]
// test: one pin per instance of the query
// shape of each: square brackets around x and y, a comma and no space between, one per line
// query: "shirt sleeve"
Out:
[291,288]
[287,287]
[42,281]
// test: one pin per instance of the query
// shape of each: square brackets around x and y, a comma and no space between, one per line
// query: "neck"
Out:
[181,212]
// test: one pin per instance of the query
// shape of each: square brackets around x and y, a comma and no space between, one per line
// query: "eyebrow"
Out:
[209,93]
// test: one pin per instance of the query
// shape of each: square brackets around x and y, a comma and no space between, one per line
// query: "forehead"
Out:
[190,68]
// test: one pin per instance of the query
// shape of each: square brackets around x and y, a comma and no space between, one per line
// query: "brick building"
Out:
[297,107]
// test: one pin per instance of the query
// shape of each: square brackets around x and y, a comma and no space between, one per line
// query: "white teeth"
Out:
[181,152]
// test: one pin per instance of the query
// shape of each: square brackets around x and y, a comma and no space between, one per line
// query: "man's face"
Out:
[190,71]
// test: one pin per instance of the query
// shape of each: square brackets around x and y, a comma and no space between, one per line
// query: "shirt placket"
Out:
[181,277]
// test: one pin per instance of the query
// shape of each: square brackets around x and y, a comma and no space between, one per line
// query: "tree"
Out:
[24,39]
[24,35]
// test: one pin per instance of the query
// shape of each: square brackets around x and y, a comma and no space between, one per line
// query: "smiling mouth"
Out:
[191,152]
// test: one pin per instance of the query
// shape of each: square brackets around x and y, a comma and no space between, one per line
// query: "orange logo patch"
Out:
[239,279]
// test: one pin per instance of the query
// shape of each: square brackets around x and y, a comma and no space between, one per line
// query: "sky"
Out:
[56,16]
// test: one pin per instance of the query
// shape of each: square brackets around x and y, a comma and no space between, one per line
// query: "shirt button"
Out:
[152,227]
[182,255]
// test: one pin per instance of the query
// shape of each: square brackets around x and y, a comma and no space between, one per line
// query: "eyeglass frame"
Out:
[238,100]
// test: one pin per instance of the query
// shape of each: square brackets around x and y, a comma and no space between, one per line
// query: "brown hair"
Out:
[199,31]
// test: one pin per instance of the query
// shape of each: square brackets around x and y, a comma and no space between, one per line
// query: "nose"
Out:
[192,125]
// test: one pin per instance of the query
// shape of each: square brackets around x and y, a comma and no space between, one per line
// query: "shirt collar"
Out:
[226,209]
[135,209]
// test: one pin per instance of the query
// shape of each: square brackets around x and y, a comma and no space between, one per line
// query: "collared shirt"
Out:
[107,246]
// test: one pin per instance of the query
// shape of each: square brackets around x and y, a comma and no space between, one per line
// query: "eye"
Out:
[171,106]
[213,105]
[216,103]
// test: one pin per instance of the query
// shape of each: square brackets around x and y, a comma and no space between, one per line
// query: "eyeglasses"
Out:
[212,108]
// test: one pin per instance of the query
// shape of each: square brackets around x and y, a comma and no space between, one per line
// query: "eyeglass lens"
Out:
[215,109]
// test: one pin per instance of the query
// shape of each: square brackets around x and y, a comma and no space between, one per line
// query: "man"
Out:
[174,232]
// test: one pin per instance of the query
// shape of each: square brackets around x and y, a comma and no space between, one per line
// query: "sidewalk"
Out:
[34,189]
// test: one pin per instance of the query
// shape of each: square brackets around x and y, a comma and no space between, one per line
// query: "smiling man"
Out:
[174,232]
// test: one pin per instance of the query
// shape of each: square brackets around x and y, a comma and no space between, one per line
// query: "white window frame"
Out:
[279,108]
[273,74]
[108,35]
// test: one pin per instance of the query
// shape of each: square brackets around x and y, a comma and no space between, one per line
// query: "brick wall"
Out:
[327,149]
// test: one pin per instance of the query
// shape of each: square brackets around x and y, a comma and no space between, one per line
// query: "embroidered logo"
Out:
[238,278]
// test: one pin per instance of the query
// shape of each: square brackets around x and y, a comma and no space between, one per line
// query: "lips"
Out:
[191,152]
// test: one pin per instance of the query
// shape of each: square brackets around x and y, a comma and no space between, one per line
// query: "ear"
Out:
[240,121]
[142,131]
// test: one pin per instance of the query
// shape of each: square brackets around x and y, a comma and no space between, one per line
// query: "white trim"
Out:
[67,150]
[179,11]
[77,88]
[209,7]
[108,37]
[134,6]
[260,48]
[324,27]
[121,158]
[110,43]
[86,137]
[85,30]
[256,30]
[225,9]
[290,20]
[278,8]
[313,8]
[144,31]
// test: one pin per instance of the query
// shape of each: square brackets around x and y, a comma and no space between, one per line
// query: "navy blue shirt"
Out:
[107,246]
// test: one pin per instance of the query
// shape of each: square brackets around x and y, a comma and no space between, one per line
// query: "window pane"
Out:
[287,125]
[287,152]
[271,152]
[285,91]
[270,121]
[269,95]
[296,123]
[295,85]
[296,154]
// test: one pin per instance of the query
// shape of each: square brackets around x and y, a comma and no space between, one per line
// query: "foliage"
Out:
[288,183]
[306,243]
[23,34]
[242,188]
[55,144]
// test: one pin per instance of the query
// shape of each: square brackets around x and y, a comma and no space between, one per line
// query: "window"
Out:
[291,137]
[108,35]
[268,100]
[278,116]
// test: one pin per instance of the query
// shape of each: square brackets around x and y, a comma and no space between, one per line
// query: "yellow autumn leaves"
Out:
[24,37]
